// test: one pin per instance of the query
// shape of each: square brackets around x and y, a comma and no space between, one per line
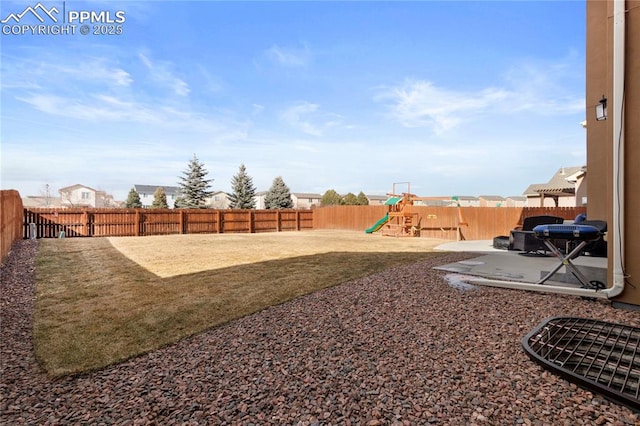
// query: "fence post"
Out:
[219,221]
[278,220]
[85,223]
[137,230]
[26,220]
[182,227]
[297,220]
[252,225]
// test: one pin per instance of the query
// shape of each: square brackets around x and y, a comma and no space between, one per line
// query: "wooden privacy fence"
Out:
[10,220]
[452,223]
[52,223]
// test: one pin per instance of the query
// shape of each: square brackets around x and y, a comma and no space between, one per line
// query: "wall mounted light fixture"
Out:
[601,109]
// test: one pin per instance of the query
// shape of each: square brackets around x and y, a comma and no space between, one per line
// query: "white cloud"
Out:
[308,118]
[98,70]
[100,90]
[44,71]
[96,107]
[545,89]
[295,116]
[527,88]
[257,109]
[289,56]
[211,83]
[422,104]
[161,73]
[104,108]
[121,77]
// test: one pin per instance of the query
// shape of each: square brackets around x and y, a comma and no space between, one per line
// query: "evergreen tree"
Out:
[243,190]
[362,199]
[159,199]
[133,200]
[278,196]
[350,199]
[194,186]
[331,198]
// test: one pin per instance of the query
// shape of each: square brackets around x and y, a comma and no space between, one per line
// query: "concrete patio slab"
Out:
[515,266]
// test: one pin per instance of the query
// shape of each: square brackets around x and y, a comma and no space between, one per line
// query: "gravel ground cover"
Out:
[399,347]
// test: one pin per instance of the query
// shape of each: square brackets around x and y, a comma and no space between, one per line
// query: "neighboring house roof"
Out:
[563,182]
[532,189]
[295,194]
[74,187]
[517,198]
[436,202]
[306,195]
[377,197]
[573,177]
[41,201]
[491,197]
[464,197]
[150,189]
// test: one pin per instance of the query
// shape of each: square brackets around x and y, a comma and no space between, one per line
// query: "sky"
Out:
[459,98]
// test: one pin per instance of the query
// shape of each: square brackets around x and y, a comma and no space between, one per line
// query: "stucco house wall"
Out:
[601,136]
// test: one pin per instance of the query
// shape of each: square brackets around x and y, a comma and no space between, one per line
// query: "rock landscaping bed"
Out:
[399,347]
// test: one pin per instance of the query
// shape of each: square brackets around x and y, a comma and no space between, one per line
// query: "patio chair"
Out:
[523,239]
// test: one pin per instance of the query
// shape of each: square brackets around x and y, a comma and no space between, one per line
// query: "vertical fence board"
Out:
[52,223]
[160,222]
[201,221]
[236,221]
[264,220]
[11,219]
[122,223]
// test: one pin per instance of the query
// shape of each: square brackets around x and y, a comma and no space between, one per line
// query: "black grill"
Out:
[598,355]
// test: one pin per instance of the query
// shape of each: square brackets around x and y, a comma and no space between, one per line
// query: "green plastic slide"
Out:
[378,224]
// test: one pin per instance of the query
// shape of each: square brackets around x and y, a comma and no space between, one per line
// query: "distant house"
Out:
[305,200]
[83,196]
[435,202]
[377,200]
[259,199]
[466,200]
[515,201]
[41,201]
[145,192]
[301,200]
[566,188]
[491,200]
[219,200]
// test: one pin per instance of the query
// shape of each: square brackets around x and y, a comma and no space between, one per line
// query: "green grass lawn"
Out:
[96,306]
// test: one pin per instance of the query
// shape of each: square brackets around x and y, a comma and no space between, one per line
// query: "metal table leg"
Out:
[566,261]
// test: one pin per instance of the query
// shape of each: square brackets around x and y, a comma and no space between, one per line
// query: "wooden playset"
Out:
[401,220]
